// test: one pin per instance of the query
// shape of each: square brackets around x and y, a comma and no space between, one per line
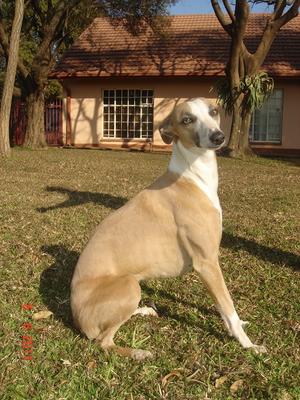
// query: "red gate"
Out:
[53,122]
[17,123]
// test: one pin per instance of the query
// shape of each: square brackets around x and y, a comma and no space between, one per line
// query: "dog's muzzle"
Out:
[217,138]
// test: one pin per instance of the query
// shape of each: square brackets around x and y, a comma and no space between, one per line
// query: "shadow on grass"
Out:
[55,282]
[76,198]
[165,311]
[265,253]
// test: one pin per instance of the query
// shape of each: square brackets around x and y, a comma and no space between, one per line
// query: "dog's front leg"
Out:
[212,277]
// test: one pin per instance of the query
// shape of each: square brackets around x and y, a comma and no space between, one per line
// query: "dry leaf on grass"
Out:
[66,362]
[285,396]
[166,378]
[294,325]
[236,386]
[44,329]
[91,364]
[220,381]
[41,315]
[191,378]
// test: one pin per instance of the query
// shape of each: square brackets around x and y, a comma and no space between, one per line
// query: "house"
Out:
[119,87]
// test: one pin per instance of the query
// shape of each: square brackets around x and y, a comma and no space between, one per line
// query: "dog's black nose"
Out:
[217,137]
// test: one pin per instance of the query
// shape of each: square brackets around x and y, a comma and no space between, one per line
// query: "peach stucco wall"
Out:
[86,105]
[290,116]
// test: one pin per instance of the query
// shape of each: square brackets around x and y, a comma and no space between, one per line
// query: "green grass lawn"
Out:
[51,201]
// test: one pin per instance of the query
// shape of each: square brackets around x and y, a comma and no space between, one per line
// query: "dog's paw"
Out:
[151,311]
[258,349]
[140,355]
[146,311]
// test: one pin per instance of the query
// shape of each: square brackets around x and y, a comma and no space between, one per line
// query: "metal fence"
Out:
[53,122]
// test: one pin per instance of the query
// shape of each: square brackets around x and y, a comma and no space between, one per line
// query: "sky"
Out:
[203,7]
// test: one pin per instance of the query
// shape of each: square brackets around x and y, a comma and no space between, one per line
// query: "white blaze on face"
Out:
[205,124]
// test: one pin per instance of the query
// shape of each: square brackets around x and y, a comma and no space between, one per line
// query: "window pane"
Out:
[128,113]
[266,123]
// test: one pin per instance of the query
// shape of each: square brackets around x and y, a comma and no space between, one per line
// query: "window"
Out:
[128,114]
[266,123]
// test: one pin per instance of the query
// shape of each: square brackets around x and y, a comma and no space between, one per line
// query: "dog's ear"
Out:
[166,130]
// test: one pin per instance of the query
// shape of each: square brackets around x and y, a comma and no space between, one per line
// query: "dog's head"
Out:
[196,123]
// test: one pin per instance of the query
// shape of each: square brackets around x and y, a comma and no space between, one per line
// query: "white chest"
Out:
[199,166]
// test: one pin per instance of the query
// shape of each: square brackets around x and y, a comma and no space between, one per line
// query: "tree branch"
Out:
[37,9]
[229,10]
[290,14]
[221,17]
[44,57]
[241,15]
[272,27]
[5,46]
[238,48]
[49,10]
[279,7]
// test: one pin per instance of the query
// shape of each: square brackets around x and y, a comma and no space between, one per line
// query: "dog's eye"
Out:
[187,120]
[214,112]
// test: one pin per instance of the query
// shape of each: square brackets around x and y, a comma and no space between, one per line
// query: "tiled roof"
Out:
[195,45]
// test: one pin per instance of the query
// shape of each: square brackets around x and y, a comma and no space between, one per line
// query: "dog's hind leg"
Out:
[108,304]
[106,340]
[212,277]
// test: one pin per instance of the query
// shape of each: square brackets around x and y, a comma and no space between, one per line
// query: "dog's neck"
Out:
[198,165]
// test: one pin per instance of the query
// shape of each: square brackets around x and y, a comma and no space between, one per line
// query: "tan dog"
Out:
[167,229]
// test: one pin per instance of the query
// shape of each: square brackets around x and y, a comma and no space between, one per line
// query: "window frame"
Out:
[148,105]
[268,141]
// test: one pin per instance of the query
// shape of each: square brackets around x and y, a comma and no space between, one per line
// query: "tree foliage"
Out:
[136,14]
[255,89]
[49,28]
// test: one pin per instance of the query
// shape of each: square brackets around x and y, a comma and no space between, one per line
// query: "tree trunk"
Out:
[232,146]
[35,130]
[10,78]
[244,147]
[238,145]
